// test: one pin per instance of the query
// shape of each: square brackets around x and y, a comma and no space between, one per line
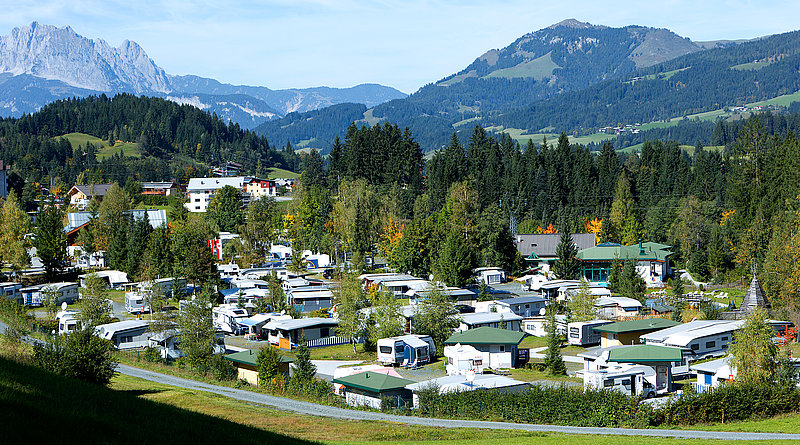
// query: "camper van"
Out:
[226,318]
[67,321]
[582,333]
[406,350]
[631,380]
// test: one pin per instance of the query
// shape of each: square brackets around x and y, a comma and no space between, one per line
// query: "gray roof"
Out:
[754,297]
[301,323]
[544,244]
[158,185]
[489,317]
[156,217]
[685,333]
[93,189]
[216,183]
[523,300]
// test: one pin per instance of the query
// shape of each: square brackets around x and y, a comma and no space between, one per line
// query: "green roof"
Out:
[610,252]
[250,357]
[650,325]
[644,353]
[373,381]
[486,336]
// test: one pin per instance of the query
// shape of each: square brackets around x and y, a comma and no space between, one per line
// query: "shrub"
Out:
[80,354]
[151,354]
[221,369]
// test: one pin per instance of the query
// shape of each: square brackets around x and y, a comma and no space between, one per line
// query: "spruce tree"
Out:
[552,359]
[567,266]
[304,370]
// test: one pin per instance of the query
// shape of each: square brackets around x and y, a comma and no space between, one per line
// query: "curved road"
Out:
[347,414]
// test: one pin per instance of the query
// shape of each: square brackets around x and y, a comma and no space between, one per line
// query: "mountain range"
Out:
[42,63]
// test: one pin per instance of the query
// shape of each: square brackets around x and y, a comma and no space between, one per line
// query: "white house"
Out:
[201,190]
[537,326]
[699,338]
[530,306]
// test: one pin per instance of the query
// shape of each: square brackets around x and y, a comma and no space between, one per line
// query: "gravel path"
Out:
[308,408]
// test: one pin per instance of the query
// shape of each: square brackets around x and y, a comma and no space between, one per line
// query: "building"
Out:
[537,325]
[652,261]
[754,298]
[201,190]
[617,307]
[458,383]
[476,320]
[160,188]
[699,338]
[455,294]
[629,332]
[113,279]
[288,333]
[260,188]
[128,334]
[247,365]
[36,295]
[77,221]
[499,347]
[81,195]
[310,298]
[540,248]
[371,388]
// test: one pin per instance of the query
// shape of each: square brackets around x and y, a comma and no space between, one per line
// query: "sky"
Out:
[404,44]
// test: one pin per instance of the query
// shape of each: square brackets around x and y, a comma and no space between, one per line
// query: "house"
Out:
[247,365]
[160,188]
[259,188]
[4,168]
[712,373]
[81,195]
[629,332]
[491,319]
[459,382]
[344,371]
[128,334]
[288,333]
[652,261]
[617,307]
[201,190]
[489,275]
[406,350]
[371,388]
[699,338]
[499,347]
[540,248]
[662,359]
[77,221]
[36,295]
[524,306]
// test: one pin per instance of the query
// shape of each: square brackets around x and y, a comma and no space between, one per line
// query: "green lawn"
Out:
[104,150]
[753,66]
[537,69]
[279,173]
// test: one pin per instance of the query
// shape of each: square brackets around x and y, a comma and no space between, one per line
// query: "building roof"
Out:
[373,381]
[712,366]
[156,217]
[301,323]
[489,317]
[486,336]
[158,185]
[645,353]
[683,334]
[250,357]
[523,300]
[543,245]
[617,301]
[610,252]
[452,383]
[109,329]
[648,325]
[90,190]
[196,184]
[754,297]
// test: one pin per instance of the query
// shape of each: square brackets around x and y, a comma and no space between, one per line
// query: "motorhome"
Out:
[126,334]
[406,350]
[226,318]
[631,380]
[462,359]
[137,294]
[582,333]
[67,321]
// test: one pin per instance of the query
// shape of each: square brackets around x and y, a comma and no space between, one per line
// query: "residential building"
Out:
[499,347]
[310,298]
[540,248]
[260,188]
[537,325]
[201,190]
[652,261]
[160,188]
[288,333]
[247,365]
[661,360]
[371,388]
[476,320]
[128,334]
[710,374]
[81,195]
[629,332]
[525,307]
[35,295]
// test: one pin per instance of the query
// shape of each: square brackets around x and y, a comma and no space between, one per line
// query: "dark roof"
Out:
[250,357]
[486,336]
[373,381]
[754,297]
[646,325]
[544,244]
[93,189]
[523,300]
[645,353]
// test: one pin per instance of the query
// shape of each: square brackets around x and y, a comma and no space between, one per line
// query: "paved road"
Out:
[347,414]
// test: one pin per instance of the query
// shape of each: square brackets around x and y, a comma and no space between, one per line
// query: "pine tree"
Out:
[304,370]
[567,266]
[552,359]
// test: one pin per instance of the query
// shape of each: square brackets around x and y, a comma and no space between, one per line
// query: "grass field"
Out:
[104,150]
[522,136]
[753,66]
[537,69]
[279,173]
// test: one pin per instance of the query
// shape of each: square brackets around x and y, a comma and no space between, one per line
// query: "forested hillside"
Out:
[173,141]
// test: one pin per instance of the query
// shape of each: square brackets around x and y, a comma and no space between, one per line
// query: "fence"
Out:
[331,341]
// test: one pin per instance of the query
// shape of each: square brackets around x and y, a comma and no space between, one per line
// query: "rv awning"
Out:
[414,342]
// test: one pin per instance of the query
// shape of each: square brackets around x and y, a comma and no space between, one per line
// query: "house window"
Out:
[711,344]
[694,346]
[608,383]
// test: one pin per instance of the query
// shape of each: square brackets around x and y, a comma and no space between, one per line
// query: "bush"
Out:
[151,354]
[223,370]
[80,354]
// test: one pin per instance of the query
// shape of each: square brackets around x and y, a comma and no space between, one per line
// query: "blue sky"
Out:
[340,43]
